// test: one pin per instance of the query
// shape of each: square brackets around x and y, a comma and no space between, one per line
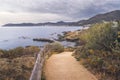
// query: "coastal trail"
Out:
[63,66]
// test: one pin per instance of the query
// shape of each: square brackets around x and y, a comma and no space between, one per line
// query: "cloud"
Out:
[68,9]
[8,17]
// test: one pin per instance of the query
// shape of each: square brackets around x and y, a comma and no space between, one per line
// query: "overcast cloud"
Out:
[53,10]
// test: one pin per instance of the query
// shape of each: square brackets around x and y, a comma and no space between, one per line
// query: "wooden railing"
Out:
[38,67]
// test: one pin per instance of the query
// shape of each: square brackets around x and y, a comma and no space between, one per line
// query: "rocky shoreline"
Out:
[71,36]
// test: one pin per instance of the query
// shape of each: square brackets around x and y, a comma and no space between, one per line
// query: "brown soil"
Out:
[64,67]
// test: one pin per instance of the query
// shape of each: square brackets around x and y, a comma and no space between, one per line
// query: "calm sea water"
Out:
[11,37]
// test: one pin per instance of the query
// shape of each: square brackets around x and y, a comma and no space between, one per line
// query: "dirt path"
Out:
[64,67]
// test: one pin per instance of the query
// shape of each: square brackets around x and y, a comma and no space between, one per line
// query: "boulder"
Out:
[43,40]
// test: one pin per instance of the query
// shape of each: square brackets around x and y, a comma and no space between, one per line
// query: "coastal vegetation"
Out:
[54,48]
[100,52]
[98,48]
[17,64]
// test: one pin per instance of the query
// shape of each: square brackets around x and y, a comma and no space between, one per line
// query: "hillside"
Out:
[17,64]
[110,16]
[60,23]
[98,49]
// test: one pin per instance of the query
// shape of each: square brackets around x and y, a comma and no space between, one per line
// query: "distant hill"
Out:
[60,23]
[110,16]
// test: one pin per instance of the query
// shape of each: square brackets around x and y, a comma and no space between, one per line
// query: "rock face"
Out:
[69,36]
[43,40]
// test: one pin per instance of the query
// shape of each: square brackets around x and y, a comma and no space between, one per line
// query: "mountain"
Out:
[60,23]
[110,16]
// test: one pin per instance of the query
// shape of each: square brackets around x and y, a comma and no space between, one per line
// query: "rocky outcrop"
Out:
[43,40]
[69,36]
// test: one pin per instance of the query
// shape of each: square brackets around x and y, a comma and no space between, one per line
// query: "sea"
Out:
[12,37]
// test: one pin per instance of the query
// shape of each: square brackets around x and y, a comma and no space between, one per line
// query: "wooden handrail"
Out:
[38,67]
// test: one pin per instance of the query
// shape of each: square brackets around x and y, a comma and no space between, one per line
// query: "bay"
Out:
[11,37]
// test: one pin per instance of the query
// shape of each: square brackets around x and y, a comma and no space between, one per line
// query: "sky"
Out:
[17,11]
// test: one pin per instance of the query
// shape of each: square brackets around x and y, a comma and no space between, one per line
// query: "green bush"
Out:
[100,36]
[55,47]
[102,50]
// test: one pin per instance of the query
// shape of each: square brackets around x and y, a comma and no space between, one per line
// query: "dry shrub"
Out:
[17,64]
